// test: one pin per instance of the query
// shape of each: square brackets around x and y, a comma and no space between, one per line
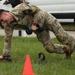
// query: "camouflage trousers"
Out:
[67,42]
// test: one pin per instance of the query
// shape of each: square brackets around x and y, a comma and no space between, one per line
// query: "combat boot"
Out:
[68,52]
[7,58]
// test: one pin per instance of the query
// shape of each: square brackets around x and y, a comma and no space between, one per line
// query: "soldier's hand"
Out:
[34,27]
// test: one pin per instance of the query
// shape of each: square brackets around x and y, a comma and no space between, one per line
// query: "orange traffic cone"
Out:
[27,67]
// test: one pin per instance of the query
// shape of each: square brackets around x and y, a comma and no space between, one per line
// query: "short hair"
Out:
[2,10]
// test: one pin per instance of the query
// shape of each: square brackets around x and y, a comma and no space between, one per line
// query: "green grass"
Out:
[55,64]
[69,27]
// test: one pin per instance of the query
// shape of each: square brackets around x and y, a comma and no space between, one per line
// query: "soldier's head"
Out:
[5,17]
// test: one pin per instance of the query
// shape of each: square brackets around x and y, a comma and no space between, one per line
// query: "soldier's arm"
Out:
[7,40]
[19,10]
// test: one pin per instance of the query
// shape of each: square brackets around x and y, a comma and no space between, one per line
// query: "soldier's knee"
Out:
[49,49]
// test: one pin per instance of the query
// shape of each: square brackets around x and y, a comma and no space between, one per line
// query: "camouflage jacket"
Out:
[21,20]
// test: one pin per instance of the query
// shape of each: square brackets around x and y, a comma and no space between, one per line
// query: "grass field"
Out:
[55,64]
[69,27]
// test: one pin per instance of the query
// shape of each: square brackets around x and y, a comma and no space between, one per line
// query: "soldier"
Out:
[33,19]
[13,3]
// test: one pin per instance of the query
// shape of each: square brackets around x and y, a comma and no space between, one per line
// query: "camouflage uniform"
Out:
[49,23]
